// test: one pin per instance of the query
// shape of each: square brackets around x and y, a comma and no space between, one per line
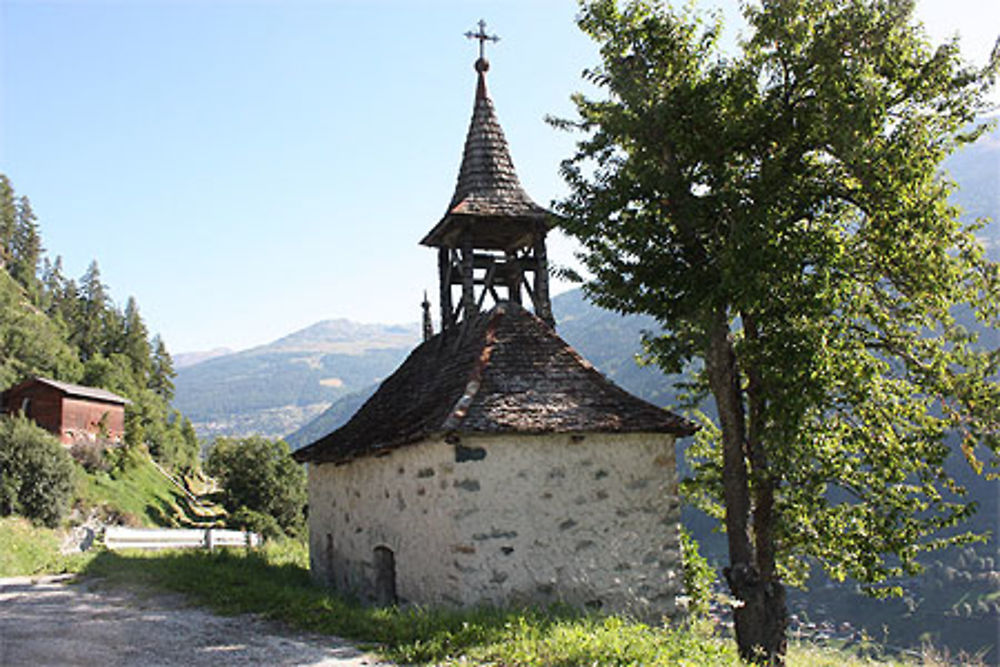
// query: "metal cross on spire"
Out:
[483,38]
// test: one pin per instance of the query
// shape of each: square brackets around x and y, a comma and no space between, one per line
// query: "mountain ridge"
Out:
[274,388]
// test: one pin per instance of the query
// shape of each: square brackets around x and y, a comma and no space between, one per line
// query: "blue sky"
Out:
[245,169]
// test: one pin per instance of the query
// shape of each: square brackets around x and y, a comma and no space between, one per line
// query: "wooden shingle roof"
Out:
[488,199]
[504,371]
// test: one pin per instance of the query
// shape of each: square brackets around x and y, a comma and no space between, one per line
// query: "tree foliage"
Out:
[259,476]
[53,326]
[20,242]
[782,214]
[30,343]
[36,473]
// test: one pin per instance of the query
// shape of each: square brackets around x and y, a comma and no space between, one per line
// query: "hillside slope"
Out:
[275,388]
[31,343]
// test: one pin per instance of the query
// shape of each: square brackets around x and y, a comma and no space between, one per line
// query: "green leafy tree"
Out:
[259,475]
[781,213]
[36,473]
[171,438]
[191,442]
[112,373]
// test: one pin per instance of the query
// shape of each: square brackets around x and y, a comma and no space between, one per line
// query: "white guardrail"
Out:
[118,537]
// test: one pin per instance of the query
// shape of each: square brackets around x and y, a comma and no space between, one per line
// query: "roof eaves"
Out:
[81,391]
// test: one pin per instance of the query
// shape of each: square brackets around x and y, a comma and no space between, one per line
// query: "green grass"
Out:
[274,582]
[140,495]
[29,550]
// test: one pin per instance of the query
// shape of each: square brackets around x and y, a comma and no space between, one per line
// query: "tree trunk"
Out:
[760,621]
[763,485]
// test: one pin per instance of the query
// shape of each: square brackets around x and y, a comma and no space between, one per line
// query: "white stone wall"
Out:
[591,521]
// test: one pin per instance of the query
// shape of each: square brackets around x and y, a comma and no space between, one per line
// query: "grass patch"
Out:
[29,550]
[139,494]
[274,582]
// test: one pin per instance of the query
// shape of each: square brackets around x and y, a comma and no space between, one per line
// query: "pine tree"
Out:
[89,324]
[161,377]
[26,249]
[8,220]
[136,343]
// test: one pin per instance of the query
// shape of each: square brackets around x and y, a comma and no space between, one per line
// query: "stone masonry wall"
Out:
[591,521]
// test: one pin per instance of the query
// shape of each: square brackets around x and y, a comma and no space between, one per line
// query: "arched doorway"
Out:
[385,576]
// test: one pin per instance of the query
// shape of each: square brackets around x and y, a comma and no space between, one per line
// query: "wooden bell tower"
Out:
[491,240]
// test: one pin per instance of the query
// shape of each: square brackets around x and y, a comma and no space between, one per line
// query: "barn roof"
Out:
[76,390]
[489,200]
[504,371]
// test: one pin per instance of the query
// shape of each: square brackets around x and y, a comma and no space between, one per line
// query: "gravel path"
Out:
[51,621]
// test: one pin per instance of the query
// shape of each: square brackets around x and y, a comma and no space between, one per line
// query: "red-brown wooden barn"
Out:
[72,412]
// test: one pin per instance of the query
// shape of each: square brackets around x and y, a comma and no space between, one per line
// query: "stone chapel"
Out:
[496,466]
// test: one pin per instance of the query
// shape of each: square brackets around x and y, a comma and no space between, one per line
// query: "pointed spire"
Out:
[487,182]
[488,194]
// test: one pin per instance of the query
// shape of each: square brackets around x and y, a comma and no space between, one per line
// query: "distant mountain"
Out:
[185,359]
[330,419]
[613,343]
[345,337]
[608,340]
[275,388]
[976,170]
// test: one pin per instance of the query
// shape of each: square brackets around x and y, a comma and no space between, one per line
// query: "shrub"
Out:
[255,522]
[90,455]
[260,475]
[123,459]
[36,473]
[698,575]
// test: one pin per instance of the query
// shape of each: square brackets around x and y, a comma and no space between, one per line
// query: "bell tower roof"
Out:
[489,202]
[491,240]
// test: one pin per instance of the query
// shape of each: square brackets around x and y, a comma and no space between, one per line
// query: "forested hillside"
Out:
[57,327]
[275,388]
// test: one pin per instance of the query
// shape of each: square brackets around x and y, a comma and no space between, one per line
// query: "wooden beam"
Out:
[444,293]
[543,306]
[468,293]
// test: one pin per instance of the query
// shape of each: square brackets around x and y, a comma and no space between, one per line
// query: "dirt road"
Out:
[50,621]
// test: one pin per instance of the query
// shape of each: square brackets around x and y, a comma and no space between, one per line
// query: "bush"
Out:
[255,522]
[36,473]
[90,455]
[698,575]
[259,475]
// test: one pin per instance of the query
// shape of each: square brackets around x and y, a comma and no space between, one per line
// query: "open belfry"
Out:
[497,466]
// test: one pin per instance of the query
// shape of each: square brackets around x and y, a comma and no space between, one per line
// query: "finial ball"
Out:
[482,65]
